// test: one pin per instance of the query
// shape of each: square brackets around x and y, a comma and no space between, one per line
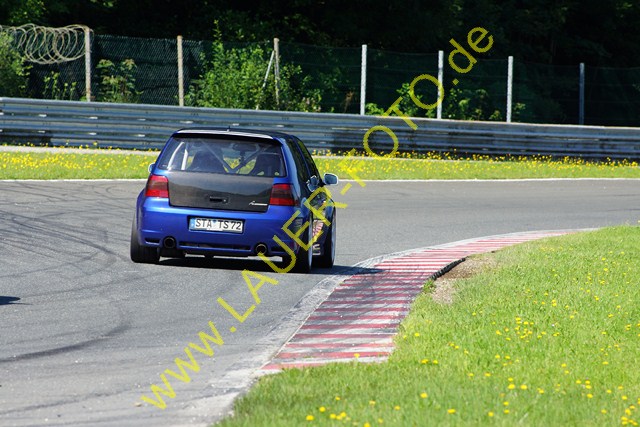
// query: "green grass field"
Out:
[80,165]
[437,166]
[86,164]
[548,336]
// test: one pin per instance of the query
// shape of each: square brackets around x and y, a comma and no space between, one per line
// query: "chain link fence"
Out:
[541,93]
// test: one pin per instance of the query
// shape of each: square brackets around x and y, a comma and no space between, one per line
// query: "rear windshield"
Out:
[226,156]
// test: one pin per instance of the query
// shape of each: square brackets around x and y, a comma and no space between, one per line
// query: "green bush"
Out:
[117,82]
[458,104]
[14,72]
[235,78]
[55,89]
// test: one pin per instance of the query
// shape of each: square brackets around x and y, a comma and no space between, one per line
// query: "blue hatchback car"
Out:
[236,192]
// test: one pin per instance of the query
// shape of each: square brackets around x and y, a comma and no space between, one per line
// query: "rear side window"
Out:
[301,167]
[313,171]
[223,155]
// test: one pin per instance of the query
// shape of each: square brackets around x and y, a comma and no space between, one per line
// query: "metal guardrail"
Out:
[46,122]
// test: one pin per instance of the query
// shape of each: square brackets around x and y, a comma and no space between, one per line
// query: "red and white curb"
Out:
[359,319]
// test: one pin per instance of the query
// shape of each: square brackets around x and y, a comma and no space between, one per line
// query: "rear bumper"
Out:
[157,220]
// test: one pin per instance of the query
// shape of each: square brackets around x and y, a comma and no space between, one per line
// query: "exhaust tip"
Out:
[169,242]
[261,248]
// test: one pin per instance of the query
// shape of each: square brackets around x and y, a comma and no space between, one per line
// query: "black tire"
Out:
[139,253]
[304,258]
[328,256]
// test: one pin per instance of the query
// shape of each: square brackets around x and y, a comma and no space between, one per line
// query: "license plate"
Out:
[213,224]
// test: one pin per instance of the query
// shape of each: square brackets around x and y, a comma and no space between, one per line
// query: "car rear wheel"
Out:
[328,256]
[139,253]
[304,258]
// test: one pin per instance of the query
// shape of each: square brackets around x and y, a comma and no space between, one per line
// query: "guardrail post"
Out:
[363,79]
[509,87]
[441,80]
[581,101]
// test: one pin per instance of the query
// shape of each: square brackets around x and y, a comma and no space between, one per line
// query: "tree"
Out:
[14,72]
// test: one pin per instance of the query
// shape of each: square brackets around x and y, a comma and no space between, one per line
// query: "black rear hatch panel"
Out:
[219,191]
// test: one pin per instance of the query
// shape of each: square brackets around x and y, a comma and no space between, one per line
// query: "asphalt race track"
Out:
[84,332]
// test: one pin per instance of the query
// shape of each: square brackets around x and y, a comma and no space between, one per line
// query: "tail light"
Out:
[281,195]
[157,186]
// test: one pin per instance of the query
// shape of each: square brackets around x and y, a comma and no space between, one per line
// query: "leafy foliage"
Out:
[235,78]
[14,72]
[561,32]
[54,88]
[457,104]
[537,33]
[117,82]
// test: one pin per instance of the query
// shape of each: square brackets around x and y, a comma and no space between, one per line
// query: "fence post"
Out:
[509,88]
[180,74]
[440,79]
[581,100]
[276,70]
[363,79]
[87,63]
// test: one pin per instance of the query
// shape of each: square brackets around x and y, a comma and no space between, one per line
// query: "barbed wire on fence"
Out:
[544,93]
[48,45]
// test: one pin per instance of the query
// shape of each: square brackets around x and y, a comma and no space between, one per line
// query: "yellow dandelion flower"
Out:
[523,387]
[451,411]
[490,414]
[424,395]
[322,409]
[397,407]
[310,418]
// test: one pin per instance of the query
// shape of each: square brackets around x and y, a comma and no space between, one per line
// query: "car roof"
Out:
[233,131]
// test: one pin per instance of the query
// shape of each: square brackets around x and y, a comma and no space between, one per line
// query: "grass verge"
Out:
[85,165]
[548,336]
[435,166]
[80,165]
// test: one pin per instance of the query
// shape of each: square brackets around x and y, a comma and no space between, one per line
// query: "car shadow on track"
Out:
[221,263]
[9,300]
